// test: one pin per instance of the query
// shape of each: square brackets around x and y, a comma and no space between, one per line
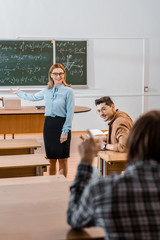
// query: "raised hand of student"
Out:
[89,149]
[14,91]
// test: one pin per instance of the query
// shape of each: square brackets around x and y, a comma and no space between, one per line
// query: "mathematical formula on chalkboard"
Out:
[73,56]
[26,63]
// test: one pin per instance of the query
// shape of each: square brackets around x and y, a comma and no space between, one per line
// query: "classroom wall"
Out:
[123,48]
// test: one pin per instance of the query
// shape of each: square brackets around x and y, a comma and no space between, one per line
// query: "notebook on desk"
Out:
[14,104]
[97,132]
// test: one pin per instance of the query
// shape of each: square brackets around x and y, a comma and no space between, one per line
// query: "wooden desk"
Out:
[26,120]
[18,146]
[36,210]
[22,165]
[80,109]
[31,180]
[110,161]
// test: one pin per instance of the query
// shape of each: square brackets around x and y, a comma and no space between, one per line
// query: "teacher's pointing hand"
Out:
[14,91]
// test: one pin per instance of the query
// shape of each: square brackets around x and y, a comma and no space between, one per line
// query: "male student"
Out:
[126,205]
[119,124]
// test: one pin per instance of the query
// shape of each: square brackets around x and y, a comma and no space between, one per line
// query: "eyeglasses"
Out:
[55,74]
[103,110]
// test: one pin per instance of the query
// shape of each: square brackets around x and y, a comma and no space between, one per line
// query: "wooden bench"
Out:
[18,146]
[22,165]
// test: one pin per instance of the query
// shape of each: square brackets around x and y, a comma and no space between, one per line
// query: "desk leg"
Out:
[39,171]
[31,150]
[104,168]
[100,168]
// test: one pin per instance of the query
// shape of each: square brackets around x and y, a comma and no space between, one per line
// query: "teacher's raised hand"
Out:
[14,91]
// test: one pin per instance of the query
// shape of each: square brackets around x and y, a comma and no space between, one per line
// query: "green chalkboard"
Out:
[73,56]
[25,62]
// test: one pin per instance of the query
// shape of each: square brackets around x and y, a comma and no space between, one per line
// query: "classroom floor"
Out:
[74,159]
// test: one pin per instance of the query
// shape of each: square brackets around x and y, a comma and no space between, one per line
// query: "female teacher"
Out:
[59,110]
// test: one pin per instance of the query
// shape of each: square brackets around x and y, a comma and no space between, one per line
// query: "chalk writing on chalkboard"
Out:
[73,56]
[25,62]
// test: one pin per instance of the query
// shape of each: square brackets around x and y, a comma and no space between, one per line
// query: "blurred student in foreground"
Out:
[126,205]
[119,124]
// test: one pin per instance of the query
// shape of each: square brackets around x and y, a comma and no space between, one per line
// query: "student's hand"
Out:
[89,149]
[63,138]
[14,91]
[102,138]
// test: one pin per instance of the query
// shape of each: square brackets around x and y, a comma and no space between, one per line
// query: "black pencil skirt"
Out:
[51,133]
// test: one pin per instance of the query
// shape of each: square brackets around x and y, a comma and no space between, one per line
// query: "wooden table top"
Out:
[111,156]
[81,109]
[26,160]
[33,110]
[19,143]
[31,180]
[37,211]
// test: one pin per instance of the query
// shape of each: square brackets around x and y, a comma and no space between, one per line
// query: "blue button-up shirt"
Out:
[59,101]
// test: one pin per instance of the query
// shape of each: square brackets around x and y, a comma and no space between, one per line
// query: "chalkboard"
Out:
[25,62]
[73,56]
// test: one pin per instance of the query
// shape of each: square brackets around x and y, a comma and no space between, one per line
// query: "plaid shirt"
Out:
[127,206]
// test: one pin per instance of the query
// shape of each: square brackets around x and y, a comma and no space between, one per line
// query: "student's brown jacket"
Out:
[119,128]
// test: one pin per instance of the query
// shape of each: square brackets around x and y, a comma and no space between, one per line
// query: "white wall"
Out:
[123,47]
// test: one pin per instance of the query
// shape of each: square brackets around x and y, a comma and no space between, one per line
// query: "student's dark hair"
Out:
[144,138]
[107,100]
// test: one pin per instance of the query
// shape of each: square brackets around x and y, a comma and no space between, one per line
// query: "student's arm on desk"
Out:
[118,147]
[110,147]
